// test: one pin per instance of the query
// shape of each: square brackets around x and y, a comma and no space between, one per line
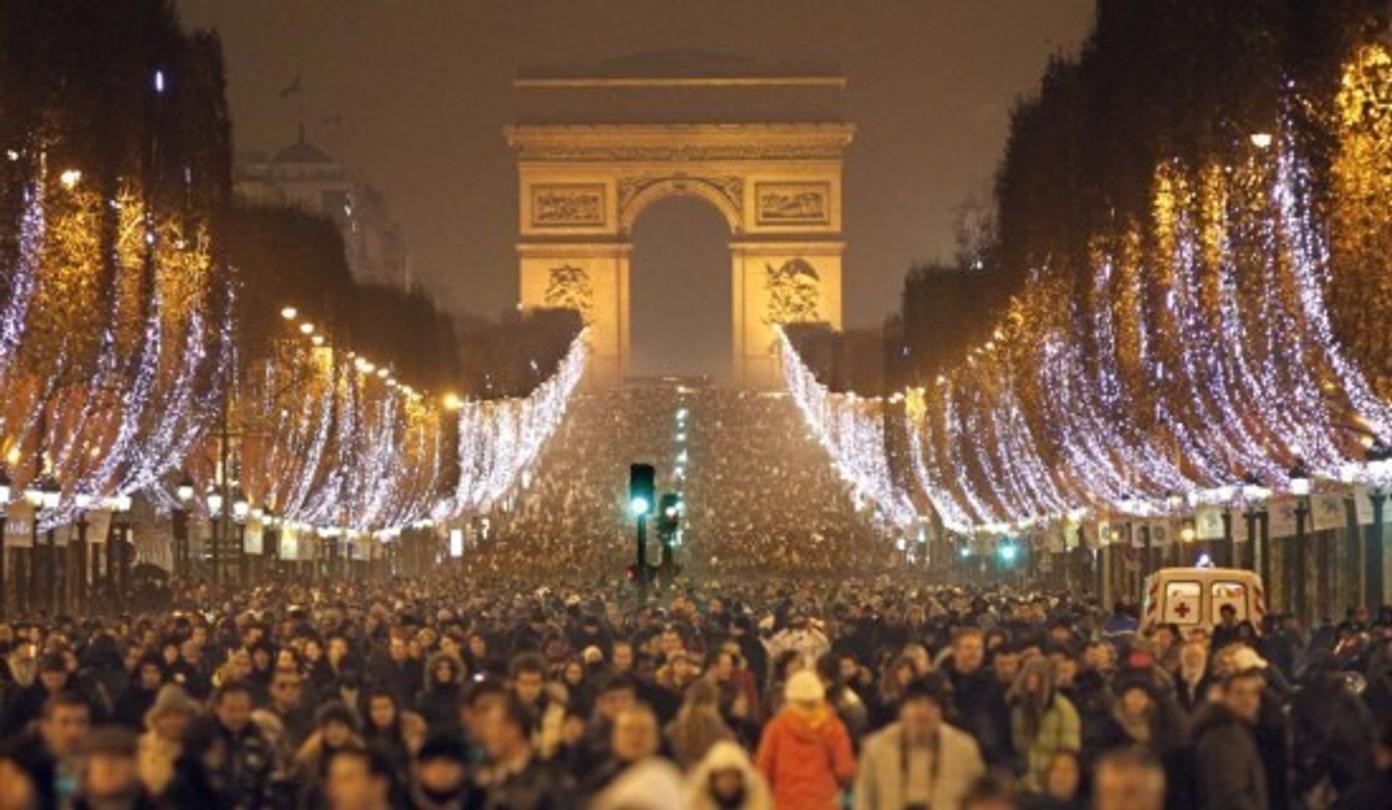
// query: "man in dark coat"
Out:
[250,757]
[1228,769]
[26,703]
[978,697]
[516,776]
[397,672]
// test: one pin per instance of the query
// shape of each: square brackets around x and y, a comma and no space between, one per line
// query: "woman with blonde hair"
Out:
[698,724]
[159,746]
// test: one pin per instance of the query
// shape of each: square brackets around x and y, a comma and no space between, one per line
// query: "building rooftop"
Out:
[678,63]
[302,151]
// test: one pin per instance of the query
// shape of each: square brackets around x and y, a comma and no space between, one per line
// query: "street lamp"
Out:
[83,502]
[44,493]
[1379,468]
[1261,140]
[241,510]
[1300,481]
[1300,478]
[213,497]
[5,494]
[185,491]
[115,548]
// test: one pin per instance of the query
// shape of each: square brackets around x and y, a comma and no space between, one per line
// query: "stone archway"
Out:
[586,175]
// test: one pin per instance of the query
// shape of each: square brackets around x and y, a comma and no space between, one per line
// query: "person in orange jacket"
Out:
[805,753]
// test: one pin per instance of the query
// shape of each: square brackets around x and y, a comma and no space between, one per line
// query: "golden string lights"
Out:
[117,373]
[500,439]
[1188,357]
[851,430]
[331,441]
[105,340]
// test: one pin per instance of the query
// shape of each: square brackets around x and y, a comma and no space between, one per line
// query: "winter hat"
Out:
[1245,659]
[171,698]
[804,687]
[442,746]
[336,711]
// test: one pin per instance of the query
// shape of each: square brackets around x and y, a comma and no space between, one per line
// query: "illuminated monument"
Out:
[598,144]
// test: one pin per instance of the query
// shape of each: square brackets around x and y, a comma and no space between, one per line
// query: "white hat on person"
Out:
[1246,659]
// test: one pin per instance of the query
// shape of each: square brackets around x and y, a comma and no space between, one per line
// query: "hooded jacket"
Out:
[805,754]
[727,756]
[1041,727]
[438,703]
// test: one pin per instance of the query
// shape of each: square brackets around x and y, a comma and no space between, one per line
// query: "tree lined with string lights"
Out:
[113,178]
[1191,211]
[158,340]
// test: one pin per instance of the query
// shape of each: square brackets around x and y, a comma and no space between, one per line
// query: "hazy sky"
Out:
[423,88]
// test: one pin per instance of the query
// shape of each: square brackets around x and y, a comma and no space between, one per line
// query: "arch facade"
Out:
[582,187]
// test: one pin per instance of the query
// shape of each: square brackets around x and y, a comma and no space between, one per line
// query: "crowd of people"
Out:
[761,495]
[570,520]
[749,694]
[765,497]
[790,665]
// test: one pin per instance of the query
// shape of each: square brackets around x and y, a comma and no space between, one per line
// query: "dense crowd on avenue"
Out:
[750,694]
[760,494]
[790,665]
[764,496]
[568,519]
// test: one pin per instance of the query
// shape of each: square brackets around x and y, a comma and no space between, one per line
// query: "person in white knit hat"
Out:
[805,753]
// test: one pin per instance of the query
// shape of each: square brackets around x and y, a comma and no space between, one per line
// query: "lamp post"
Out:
[180,526]
[116,558]
[1300,483]
[4,530]
[79,552]
[270,545]
[241,510]
[214,499]
[1380,466]
[44,493]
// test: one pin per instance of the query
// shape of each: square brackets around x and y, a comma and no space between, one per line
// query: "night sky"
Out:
[424,88]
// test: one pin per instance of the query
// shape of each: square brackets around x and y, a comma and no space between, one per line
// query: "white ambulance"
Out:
[1191,598]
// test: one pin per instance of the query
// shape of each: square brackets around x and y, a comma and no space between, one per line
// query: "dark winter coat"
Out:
[979,699]
[438,703]
[1228,771]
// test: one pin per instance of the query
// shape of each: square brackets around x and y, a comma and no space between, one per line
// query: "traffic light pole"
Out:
[642,568]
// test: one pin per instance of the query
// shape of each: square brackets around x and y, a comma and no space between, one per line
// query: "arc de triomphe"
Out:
[764,145]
